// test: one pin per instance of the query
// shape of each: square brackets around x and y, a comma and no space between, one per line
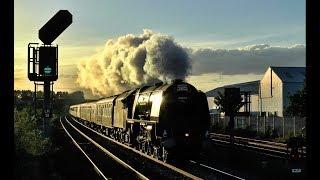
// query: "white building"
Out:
[270,95]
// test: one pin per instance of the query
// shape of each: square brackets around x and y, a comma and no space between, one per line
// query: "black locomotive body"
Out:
[161,120]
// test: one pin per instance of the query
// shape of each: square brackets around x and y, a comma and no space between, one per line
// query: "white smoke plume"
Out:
[131,61]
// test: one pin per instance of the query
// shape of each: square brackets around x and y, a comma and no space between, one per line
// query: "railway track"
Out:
[150,167]
[227,174]
[206,171]
[267,147]
[95,154]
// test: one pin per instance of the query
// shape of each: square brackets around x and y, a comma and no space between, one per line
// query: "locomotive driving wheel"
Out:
[164,155]
[148,148]
[155,153]
[142,147]
[127,137]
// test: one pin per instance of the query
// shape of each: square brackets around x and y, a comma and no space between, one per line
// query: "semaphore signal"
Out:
[43,59]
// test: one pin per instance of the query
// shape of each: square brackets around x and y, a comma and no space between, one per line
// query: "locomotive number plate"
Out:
[182,98]
[182,87]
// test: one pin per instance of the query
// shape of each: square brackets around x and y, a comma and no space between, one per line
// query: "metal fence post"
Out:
[249,120]
[243,122]
[237,123]
[264,124]
[212,118]
[257,124]
[283,128]
[236,119]
[273,123]
[294,126]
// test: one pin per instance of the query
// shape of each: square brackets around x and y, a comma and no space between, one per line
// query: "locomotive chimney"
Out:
[177,81]
[158,84]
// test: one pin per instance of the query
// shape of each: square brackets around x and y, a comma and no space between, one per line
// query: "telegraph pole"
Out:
[43,61]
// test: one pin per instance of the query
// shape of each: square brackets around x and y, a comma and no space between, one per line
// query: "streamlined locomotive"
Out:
[163,120]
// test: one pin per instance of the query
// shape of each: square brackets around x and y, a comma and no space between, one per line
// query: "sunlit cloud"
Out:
[211,67]
[209,81]
[249,59]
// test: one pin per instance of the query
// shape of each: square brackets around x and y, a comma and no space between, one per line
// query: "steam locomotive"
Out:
[163,120]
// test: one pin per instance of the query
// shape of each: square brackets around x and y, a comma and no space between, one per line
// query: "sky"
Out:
[229,41]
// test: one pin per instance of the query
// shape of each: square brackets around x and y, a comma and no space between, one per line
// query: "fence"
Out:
[279,126]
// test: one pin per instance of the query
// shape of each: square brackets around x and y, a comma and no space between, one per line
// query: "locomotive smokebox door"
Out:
[48,62]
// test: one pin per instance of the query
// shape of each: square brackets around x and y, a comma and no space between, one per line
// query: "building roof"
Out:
[290,74]
[286,74]
[252,86]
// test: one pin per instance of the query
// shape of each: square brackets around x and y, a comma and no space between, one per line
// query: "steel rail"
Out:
[184,173]
[267,145]
[78,146]
[253,140]
[250,139]
[258,148]
[217,170]
[140,175]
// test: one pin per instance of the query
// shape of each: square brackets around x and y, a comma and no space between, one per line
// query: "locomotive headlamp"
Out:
[165,133]
[149,127]
[187,134]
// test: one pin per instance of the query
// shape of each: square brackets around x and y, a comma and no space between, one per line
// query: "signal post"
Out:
[43,61]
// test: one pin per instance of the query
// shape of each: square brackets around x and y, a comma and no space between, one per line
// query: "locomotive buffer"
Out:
[43,60]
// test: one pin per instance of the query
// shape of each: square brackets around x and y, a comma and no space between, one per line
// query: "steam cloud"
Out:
[130,61]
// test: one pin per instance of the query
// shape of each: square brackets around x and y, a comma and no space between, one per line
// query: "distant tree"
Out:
[40,94]
[62,95]
[61,100]
[16,96]
[22,98]
[28,138]
[26,96]
[298,103]
[77,95]
[17,93]
[230,105]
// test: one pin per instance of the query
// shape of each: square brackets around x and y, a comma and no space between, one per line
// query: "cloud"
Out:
[253,59]
[209,81]
[130,61]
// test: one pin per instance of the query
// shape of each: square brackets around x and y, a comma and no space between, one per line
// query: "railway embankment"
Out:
[46,156]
